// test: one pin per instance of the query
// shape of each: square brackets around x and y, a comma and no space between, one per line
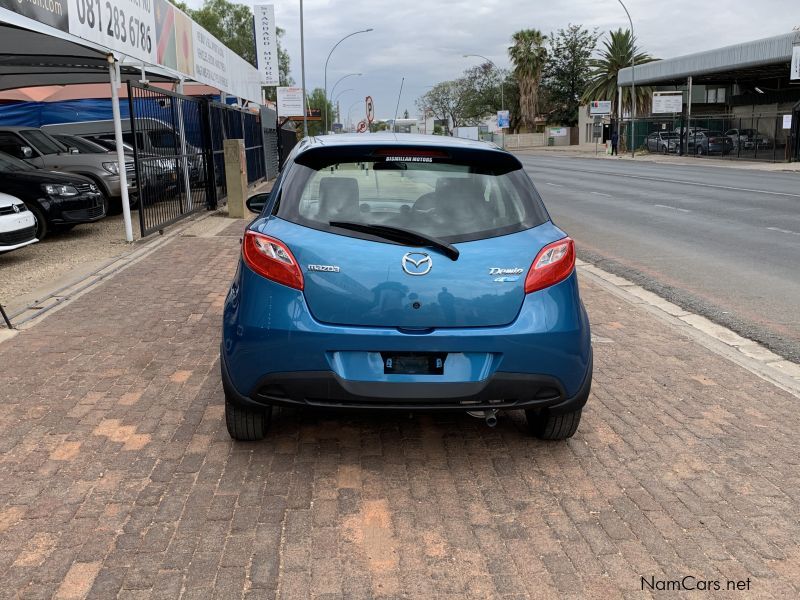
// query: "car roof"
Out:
[16,128]
[394,139]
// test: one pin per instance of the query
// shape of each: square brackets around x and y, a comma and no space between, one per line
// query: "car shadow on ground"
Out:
[319,423]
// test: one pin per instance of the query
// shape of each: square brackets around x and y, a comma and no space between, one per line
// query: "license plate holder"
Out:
[413,363]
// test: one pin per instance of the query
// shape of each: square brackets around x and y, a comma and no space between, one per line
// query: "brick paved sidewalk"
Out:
[118,479]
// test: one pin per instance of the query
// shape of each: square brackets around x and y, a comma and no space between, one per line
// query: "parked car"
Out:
[57,200]
[164,171]
[439,282]
[748,139]
[159,174]
[663,142]
[17,224]
[42,150]
[709,142]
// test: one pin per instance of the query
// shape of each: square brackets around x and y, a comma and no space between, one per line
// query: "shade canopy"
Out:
[33,59]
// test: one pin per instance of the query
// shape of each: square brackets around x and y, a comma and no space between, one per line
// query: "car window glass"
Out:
[83,146]
[43,142]
[11,143]
[10,163]
[444,200]
[163,138]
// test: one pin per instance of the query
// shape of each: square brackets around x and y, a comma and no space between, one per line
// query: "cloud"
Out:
[424,40]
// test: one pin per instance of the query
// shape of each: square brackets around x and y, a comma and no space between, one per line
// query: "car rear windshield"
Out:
[453,200]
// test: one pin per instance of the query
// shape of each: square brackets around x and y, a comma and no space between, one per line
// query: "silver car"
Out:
[664,142]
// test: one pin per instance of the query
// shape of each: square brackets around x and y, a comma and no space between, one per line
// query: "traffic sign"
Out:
[362,126]
[370,110]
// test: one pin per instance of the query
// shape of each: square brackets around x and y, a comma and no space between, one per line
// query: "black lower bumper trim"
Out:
[326,389]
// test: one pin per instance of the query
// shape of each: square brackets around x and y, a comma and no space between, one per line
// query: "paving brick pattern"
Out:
[118,479]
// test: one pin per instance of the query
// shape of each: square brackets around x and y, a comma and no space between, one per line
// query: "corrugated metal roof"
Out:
[739,56]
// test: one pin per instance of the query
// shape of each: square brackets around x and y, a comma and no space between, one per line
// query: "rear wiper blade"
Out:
[403,236]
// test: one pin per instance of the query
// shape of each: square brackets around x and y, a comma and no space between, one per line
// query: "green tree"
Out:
[615,55]
[231,24]
[568,72]
[316,100]
[528,55]
[448,101]
[483,93]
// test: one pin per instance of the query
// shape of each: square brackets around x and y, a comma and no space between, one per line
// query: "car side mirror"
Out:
[27,151]
[73,150]
[256,204]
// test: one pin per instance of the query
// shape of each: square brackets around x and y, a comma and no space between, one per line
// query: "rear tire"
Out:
[246,425]
[546,426]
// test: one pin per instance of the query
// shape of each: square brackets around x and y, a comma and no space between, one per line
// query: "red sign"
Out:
[370,110]
[362,126]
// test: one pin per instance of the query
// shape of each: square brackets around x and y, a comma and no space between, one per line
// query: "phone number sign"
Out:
[127,26]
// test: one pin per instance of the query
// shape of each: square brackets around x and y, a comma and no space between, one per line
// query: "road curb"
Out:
[744,352]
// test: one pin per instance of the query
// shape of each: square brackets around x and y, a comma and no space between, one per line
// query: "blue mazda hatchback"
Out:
[400,272]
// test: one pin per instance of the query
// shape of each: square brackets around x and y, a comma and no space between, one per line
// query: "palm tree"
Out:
[605,68]
[528,55]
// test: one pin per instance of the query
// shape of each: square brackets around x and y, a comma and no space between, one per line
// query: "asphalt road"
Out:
[721,242]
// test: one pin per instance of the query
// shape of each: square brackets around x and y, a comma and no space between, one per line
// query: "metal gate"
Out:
[169,135]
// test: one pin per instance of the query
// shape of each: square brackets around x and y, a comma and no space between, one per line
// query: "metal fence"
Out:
[179,152]
[751,137]
[169,133]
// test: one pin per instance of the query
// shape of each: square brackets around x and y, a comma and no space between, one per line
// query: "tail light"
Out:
[553,264]
[272,259]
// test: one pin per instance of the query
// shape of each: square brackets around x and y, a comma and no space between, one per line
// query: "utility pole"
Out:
[303,72]
[394,123]
[633,83]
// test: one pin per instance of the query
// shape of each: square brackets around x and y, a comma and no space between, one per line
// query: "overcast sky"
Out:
[424,40]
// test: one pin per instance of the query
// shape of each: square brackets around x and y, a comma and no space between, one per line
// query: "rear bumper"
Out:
[326,389]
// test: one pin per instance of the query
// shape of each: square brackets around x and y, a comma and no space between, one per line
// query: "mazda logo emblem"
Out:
[417,263]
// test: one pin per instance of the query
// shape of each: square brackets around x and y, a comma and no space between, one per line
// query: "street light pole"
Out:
[502,88]
[303,72]
[336,101]
[349,113]
[633,83]
[333,89]
[326,68]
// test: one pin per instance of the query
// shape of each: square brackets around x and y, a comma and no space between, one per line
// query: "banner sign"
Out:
[787,121]
[52,12]
[266,43]
[667,102]
[503,119]
[127,26]
[290,102]
[210,59]
[153,31]
[795,71]
[600,107]
[558,132]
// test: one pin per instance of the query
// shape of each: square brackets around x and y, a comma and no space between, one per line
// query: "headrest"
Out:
[338,198]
